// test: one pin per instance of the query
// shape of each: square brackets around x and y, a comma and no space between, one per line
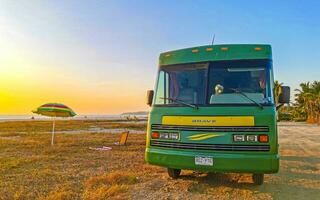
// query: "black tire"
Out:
[258,179]
[174,173]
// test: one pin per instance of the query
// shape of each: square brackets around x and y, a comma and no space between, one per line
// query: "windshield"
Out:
[220,82]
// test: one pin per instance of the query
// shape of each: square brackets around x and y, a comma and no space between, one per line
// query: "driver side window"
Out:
[162,88]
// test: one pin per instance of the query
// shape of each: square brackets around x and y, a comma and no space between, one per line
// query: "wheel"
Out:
[258,179]
[174,173]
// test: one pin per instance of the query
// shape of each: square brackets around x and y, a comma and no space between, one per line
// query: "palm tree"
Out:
[277,91]
[308,101]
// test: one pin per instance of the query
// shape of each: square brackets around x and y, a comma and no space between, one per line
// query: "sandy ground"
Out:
[31,169]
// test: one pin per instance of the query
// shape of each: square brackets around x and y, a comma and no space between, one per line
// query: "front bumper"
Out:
[222,162]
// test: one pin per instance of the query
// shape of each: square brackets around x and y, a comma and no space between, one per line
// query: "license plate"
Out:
[203,160]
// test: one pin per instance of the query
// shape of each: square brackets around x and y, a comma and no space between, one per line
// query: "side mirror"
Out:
[149,97]
[285,95]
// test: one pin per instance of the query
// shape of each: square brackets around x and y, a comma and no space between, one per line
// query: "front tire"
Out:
[258,179]
[174,173]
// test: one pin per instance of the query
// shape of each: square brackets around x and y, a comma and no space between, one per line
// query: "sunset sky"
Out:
[100,57]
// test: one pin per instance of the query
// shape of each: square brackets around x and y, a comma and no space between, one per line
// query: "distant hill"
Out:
[136,113]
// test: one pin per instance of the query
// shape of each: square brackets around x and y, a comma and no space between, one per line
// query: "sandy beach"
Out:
[31,169]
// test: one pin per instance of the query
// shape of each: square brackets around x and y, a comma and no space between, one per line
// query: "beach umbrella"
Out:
[54,110]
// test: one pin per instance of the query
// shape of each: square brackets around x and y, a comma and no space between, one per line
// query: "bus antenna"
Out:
[214,35]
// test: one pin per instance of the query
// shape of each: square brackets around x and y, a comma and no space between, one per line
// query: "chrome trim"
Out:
[211,128]
[216,147]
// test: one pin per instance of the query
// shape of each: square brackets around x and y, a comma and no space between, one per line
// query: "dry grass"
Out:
[31,169]
[108,185]
[23,127]
[112,178]
[59,194]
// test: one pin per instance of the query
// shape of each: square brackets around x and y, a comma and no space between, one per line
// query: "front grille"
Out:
[211,128]
[215,147]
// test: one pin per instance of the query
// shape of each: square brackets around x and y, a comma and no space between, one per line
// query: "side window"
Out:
[271,89]
[162,88]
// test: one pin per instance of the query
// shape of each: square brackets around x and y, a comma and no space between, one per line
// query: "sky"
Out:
[100,57]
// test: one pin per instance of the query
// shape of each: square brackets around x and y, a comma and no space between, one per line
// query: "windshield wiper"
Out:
[243,94]
[180,102]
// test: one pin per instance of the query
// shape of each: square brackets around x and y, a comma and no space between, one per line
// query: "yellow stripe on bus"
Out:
[198,135]
[204,136]
[208,121]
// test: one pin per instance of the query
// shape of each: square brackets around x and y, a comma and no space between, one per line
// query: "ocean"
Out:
[77,117]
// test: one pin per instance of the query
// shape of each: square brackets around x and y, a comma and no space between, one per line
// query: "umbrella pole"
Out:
[53,125]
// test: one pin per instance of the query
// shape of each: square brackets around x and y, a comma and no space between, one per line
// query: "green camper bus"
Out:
[214,110]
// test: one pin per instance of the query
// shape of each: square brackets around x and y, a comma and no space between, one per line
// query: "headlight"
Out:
[252,138]
[175,136]
[164,136]
[168,136]
[238,138]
